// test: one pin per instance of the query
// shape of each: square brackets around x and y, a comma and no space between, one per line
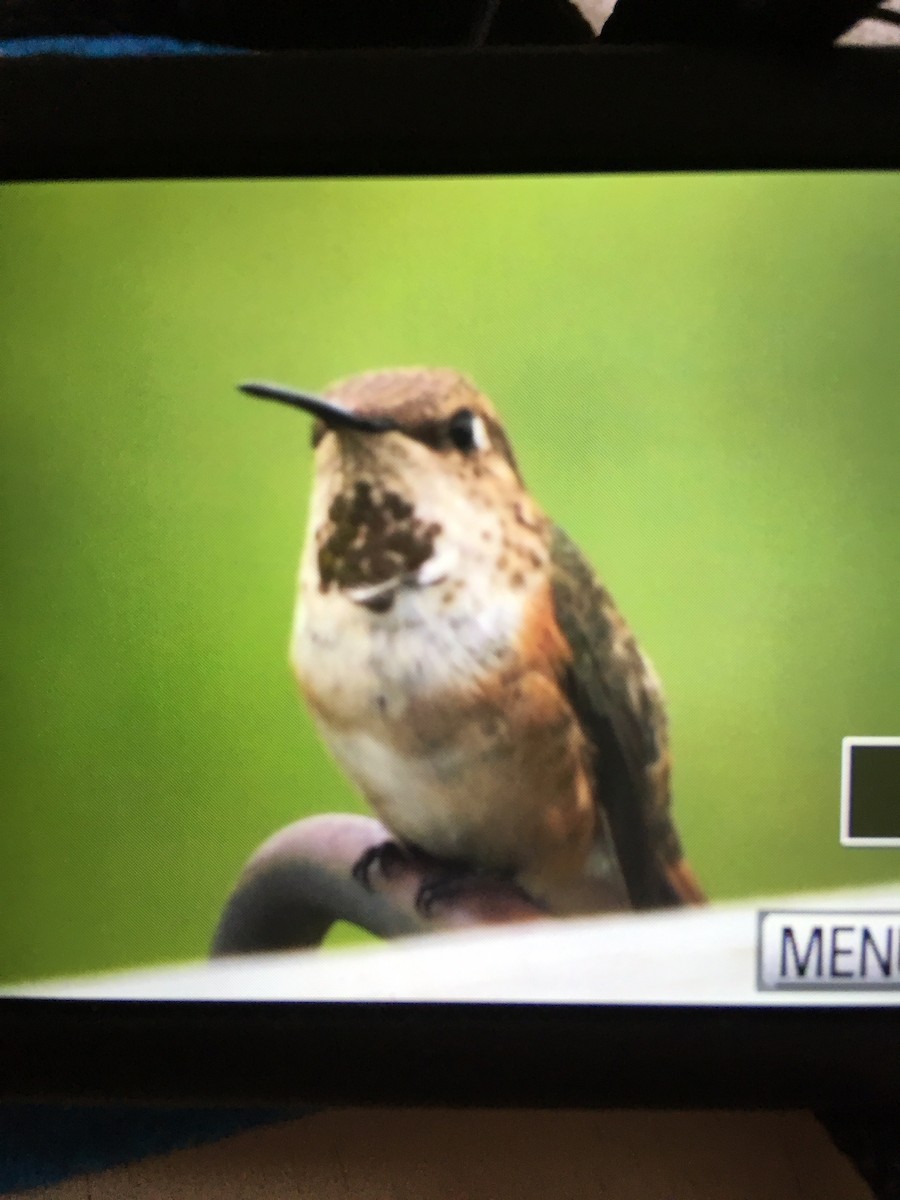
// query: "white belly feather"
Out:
[367,675]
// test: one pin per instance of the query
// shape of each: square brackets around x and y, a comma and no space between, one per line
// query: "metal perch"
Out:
[301,881]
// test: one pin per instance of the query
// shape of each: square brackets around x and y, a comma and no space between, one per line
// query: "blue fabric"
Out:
[41,1144]
[116,46]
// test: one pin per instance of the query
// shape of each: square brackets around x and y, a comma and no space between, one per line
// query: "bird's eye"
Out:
[466,431]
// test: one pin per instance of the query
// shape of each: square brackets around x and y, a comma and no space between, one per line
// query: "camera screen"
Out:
[306,693]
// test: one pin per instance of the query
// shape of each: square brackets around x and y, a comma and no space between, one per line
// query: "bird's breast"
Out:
[447,714]
[412,665]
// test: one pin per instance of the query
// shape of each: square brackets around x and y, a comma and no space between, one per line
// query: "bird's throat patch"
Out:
[371,536]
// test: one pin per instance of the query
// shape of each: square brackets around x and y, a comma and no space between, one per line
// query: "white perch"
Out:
[684,956]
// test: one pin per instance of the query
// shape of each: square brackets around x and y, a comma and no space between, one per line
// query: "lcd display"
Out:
[697,377]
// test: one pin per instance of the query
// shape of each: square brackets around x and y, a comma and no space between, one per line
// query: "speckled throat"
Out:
[372,536]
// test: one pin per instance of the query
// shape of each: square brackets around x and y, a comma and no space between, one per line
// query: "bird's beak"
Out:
[334,416]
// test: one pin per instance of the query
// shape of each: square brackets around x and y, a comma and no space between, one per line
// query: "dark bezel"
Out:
[448,112]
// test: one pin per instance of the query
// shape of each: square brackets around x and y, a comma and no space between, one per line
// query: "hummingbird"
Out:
[464,665]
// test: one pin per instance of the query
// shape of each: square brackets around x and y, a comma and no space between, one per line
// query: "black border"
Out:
[449,112]
[456,1054]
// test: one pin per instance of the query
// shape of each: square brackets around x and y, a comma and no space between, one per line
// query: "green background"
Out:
[700,376]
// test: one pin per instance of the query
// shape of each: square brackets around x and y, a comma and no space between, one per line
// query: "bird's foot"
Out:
[443,894]
[389,859]
[469,898]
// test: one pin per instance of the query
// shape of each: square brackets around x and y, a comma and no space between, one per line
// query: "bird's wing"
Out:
[617,699]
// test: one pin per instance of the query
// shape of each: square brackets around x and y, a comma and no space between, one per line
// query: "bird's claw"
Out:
[387,857]
[437,891]
[490,898]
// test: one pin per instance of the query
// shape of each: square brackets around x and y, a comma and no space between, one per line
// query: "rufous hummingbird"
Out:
[463,664]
